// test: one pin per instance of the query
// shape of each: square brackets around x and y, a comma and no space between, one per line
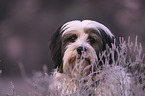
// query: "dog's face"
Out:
[77,43]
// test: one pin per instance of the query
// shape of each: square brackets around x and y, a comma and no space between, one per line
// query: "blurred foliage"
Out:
[32,23]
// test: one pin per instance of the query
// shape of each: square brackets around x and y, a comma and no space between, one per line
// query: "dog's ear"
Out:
[55,48]
[107,39]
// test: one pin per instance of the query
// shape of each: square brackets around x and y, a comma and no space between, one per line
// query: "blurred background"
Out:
[27,25]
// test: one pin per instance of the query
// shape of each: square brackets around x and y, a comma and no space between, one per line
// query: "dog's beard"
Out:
[79,65]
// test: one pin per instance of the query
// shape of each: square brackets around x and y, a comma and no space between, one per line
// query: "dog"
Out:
[75,49]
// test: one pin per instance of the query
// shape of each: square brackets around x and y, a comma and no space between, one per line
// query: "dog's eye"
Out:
[91,40]
[73,38]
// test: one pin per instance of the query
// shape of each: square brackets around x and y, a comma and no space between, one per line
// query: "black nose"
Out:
[81,49]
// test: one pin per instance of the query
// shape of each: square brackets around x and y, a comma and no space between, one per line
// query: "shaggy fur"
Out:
[75,49]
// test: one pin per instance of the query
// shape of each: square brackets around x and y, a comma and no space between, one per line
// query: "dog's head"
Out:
[79,41]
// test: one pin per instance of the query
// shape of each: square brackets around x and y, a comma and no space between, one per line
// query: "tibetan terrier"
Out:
[75,49]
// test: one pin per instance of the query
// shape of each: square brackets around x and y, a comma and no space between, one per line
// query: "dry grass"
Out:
[129,58]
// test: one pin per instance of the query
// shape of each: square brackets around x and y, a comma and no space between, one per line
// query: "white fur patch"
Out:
[79,26]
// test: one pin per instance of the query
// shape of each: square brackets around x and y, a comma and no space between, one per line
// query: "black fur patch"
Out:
[107,40]
[55,48]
